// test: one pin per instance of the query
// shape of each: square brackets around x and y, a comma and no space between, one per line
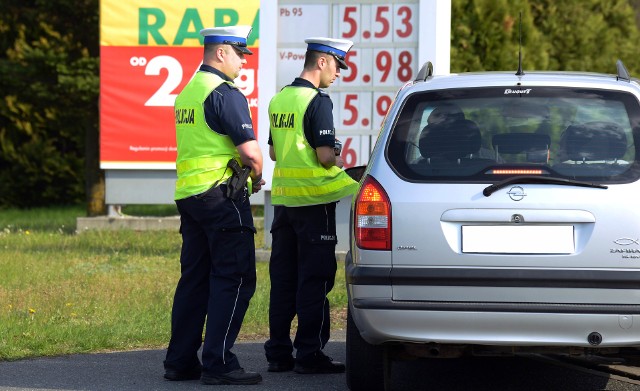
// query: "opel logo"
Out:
[626,241]
[516,193]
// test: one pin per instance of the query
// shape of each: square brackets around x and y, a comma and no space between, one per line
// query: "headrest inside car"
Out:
[450,140]
[534,145]
[594,141]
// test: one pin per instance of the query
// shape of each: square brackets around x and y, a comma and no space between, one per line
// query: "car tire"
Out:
[368,367]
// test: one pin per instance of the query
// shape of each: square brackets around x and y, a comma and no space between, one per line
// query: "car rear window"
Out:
[482,134]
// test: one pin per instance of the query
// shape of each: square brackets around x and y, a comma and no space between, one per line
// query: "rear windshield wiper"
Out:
[538,179]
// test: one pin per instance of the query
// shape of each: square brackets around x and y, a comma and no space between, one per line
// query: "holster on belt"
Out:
[238,181]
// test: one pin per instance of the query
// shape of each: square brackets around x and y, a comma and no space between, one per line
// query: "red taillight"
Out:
[372,220]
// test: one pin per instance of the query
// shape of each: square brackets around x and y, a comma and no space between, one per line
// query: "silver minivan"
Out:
[497,216]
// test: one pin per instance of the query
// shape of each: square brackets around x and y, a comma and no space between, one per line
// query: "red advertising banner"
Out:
[149,52]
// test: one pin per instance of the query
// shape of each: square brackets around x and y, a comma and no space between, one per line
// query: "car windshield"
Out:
[489,134]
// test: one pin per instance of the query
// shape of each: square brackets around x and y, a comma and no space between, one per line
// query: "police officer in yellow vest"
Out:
[217,260]
[307,183]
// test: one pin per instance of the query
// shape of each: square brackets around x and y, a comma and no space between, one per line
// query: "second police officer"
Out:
[308,181]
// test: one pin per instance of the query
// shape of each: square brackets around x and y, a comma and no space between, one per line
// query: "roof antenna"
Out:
[520,72]
[623,74]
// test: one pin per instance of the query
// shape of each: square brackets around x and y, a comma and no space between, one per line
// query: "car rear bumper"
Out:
[491,306]
[383,320]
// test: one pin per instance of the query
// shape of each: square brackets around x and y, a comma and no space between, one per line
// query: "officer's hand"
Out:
[257,186]
[339,162]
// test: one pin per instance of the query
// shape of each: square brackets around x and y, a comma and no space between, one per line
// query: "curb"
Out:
[263,255]
[137,223]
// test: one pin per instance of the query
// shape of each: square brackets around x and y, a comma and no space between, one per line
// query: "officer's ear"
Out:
[219,52]
[322,61]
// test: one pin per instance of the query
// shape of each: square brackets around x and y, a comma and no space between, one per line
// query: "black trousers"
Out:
[302,270]
[218,278]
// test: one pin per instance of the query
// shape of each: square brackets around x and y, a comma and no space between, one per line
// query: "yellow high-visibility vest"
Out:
[202,153]
[298,177]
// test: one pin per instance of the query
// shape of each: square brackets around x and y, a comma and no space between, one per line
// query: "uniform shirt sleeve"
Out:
[319,127]
[227,112]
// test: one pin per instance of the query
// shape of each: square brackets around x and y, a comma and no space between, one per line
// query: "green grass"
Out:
[59,219]
[63,293]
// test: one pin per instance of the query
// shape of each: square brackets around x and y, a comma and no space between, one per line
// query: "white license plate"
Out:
[513,239]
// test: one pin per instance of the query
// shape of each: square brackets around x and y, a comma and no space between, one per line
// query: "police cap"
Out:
[338,48]
[235,36]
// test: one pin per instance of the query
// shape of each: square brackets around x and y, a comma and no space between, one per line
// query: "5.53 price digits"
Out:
[377,23]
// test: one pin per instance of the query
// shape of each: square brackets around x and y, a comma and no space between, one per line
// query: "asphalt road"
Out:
[142,370]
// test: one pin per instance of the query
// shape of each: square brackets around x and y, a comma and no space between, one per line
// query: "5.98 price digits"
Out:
[384,63]
[391,67]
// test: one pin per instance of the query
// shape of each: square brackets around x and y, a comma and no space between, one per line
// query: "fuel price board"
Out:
[383,58]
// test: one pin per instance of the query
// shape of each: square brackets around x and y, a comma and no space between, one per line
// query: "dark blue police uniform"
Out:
[217,260]
[303,264]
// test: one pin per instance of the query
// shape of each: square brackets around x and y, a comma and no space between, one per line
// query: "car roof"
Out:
[530,78]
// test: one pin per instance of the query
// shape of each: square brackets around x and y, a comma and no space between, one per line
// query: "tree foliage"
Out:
[588,35]
[49,58]
[49,65]
[568,35]
[485,36]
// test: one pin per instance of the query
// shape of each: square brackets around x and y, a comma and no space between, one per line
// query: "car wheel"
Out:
[368,366]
